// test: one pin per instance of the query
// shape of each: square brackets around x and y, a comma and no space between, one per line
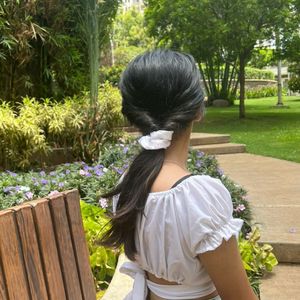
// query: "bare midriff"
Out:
[161,281]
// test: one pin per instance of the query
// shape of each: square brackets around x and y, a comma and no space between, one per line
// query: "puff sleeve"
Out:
[209,211]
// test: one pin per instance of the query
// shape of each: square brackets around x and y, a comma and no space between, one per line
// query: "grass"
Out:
[266,130]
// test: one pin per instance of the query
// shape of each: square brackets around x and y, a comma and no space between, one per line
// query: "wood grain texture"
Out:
[48,250]
[65,248]
[79,243]
[3,290]
[12,258]
[31,254]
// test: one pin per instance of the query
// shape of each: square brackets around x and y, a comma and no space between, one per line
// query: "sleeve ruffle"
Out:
[209,213]
[215,238]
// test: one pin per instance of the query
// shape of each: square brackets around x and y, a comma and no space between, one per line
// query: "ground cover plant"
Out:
[266,130]
[92,180]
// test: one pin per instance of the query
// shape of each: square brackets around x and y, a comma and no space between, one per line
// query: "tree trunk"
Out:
[242,86]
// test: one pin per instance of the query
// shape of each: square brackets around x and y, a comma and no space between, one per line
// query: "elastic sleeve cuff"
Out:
[215,239]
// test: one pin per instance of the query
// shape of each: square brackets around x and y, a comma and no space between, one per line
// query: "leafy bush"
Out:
[294,84]
[103,261]
[111,74]
[38,127]
[261,92]
[253,73]
[256,259]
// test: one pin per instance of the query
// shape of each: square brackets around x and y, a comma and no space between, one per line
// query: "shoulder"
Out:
[206,190]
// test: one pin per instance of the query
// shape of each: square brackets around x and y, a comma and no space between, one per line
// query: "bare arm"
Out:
[225,267]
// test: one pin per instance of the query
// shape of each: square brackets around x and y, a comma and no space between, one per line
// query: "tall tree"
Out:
[217,31]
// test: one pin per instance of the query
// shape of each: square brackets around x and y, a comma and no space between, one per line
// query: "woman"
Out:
[177,229]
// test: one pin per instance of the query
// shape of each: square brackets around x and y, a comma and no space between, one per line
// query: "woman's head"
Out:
[161,91]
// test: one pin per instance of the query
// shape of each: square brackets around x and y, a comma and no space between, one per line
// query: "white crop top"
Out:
[177,225]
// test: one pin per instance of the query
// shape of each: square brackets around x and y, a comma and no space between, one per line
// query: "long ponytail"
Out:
[160,91]
[132,199]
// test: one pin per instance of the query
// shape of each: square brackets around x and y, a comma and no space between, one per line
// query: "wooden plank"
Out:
[48,250]
[65,248]
[80,246]
[3,290]
[12,259]
[31,253]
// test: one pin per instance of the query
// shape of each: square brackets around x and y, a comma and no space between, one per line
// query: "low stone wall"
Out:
[120,285]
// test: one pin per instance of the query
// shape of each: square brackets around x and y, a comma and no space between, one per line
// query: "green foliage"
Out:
[294,84]
[43,47]
[38,127]
[130,36]
[261,58]
[226,33]
[262,92]
[111,74]
[102,260]
[257,259]
[253,73]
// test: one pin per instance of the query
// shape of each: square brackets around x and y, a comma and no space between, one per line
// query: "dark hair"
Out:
[160,91]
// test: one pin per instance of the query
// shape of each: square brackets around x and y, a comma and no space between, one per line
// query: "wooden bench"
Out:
[43,251]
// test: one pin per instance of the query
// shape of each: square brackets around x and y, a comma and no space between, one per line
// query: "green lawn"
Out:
[266,130]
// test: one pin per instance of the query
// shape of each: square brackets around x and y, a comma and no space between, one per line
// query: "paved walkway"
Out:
[273,187]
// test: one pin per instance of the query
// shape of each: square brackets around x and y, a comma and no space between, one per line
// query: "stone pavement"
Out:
[273,187]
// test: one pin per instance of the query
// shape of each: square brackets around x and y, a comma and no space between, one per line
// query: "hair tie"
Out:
[160,139]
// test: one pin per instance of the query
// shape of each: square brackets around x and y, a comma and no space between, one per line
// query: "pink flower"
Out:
[82,172]
[103,203]
[53,193]
[240,207]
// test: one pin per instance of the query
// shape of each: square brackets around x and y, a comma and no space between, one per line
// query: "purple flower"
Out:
[198,164]
[54,181]
[68,172]
[86,168]
[99,172]
[103,203]
[8,189]
[42,173]
[11,173]
[52,173]
[220,171]
[88,174]
[44,181]
[29,195]
[61,184]
[200,154]
[125,150]
[35,183]
[67,164]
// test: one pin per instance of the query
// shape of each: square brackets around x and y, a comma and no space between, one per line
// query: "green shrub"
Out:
[253,73]
[261,92]
[37,127]
[103,261]
[256,259]
[111,74]
[294,84]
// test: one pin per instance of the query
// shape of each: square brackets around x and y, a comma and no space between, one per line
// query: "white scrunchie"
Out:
[160,139]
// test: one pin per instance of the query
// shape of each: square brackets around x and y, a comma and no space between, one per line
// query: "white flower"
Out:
[105,170]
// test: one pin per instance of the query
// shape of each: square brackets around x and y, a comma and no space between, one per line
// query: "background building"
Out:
[127,4]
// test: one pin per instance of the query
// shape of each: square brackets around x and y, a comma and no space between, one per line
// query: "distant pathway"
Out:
[273,187]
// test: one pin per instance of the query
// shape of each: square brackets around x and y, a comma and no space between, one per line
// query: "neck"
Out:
[178,150]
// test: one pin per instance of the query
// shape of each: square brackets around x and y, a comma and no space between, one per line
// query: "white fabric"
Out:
[160,139]
[177,225]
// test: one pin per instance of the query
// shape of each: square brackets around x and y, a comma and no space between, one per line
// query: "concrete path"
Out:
[273,187]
